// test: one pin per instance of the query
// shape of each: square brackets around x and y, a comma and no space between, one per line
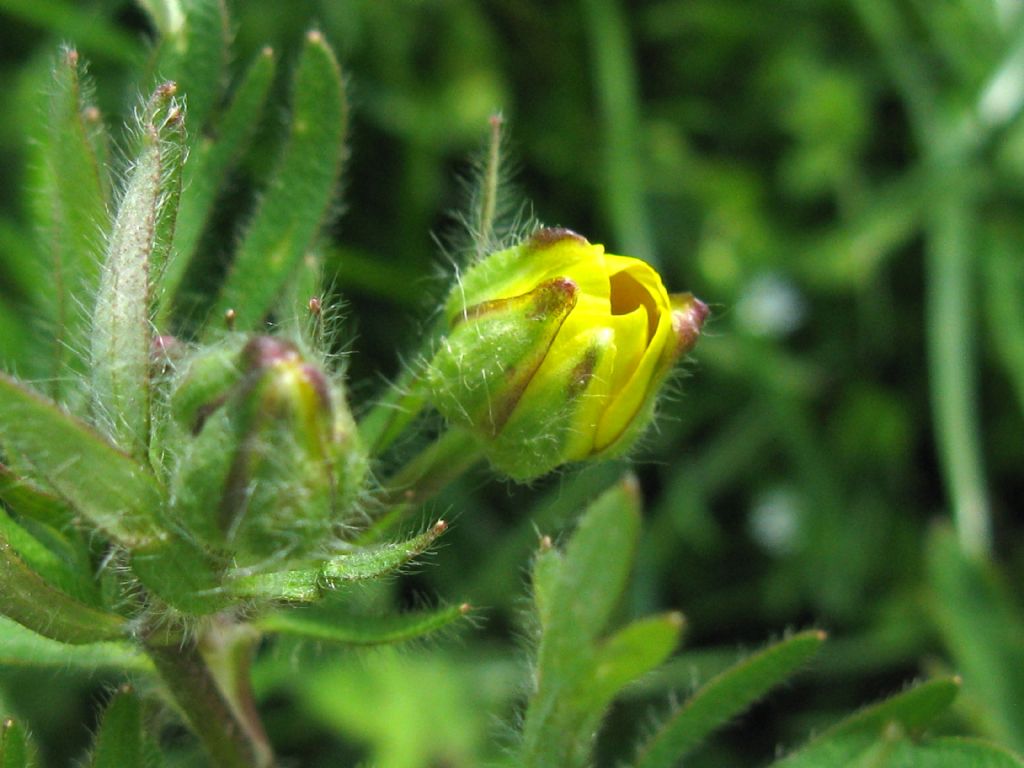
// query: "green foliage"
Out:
[119,740]
[16,749]
[840,178]
[301,189]
[726,696]
[578,673]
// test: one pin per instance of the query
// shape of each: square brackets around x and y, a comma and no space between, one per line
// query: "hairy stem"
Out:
[228,740]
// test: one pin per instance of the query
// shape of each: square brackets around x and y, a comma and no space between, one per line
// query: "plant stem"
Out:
[950,326]
[437,465]
[227,740]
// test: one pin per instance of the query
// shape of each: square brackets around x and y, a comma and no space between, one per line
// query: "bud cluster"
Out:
[273,463]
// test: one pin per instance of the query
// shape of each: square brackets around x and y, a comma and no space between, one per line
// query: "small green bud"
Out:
[275,462]
[556,350]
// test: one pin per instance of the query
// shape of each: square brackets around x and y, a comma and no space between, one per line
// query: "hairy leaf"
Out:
[119,741]
[21,647]
[209,162]
[72,213]
[307,585]
[141,237]
[33,603]
[906,712]
[301,189]
[334,626]
[105,486]
[725,697]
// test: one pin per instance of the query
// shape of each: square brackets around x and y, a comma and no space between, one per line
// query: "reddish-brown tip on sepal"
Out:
[688,317]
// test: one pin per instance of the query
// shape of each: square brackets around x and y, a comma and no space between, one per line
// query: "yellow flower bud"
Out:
[556,351]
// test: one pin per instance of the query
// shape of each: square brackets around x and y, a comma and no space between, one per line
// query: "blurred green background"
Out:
[841,180]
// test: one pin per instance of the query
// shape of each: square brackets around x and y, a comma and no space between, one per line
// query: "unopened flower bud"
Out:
[275,464]
[556,350]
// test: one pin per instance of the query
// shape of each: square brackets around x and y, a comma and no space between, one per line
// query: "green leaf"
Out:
[953,753]
[21,647]
[141,237]
[28,500]
[16,749]
[207,168]
[308,585]
[726,696]
[334,626]
[33,603]
[73,21]
[906,712]
[983,628]
[576,597]
[119,741]
[628,655]
[55,558]
[71,213]
[193,52]
[593,575]
[301,190]
[104,485]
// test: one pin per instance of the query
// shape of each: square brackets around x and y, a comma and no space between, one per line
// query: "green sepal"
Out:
[206,383]
[484,364]
[119,742]
[105,486]
[726,696]
[278,500]
[336,626]
[533,441]
[300,193]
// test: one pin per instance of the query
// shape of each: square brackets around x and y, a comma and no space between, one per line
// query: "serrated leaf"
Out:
[193,52]
[207,168]
[29,600]
[28,500]
[56,559]
[909,712]
[301,190]
[983,628]
[310,584]
[337,627]
[105,486]
[141,236]
[72,214]
[16,748]
[118,743]
[726,696]
[21,647]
